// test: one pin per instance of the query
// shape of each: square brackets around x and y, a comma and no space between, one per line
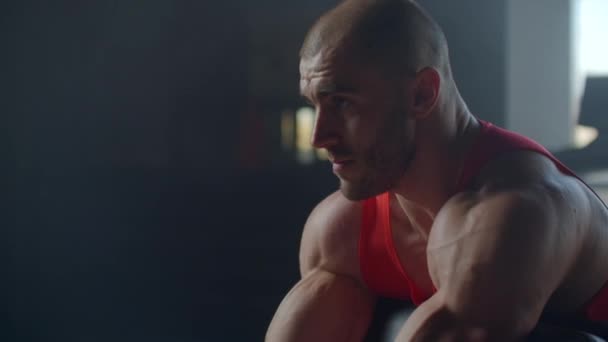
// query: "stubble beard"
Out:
[383,164]
[376,180]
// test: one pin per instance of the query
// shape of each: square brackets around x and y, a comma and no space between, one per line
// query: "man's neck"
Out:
[434,173]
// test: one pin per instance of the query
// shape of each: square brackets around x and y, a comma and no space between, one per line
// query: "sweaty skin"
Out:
[522,239]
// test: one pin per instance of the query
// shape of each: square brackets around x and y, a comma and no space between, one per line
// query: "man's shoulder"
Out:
[331,235]
[520,168]
[524,219]
[334,211]
[523,175]
[521,196]
[515,184]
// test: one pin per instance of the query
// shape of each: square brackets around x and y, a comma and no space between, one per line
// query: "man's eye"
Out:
[340,102]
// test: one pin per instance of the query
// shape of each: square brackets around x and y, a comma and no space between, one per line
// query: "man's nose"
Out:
[326,130]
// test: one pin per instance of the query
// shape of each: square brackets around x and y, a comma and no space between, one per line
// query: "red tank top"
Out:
[380,266]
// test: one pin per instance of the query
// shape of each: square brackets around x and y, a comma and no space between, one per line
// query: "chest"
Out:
[411,247]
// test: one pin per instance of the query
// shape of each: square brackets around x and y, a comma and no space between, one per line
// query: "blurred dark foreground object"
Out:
[391,314]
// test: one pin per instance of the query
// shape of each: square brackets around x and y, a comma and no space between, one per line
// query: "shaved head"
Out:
[396,35]
[374,71]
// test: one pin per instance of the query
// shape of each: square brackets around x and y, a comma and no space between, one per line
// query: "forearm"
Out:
[322,307]
[433,321]
[427,323]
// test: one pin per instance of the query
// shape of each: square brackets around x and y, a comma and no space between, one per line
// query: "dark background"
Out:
[147,195]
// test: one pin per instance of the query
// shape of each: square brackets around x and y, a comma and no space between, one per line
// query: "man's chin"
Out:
[354,192]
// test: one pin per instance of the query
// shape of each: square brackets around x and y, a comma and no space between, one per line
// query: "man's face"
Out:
[362,120]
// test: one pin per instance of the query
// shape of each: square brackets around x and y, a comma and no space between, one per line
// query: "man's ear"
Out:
[425,92]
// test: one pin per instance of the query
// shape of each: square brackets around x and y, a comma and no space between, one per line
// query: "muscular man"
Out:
[480,227]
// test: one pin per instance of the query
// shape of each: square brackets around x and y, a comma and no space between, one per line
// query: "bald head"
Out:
[394,34]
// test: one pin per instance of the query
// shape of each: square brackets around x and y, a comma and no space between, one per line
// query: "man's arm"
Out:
[329,303]
[496,260]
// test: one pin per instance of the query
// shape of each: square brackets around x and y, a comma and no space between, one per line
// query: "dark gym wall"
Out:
[138,83]
[121,119]
[130,214]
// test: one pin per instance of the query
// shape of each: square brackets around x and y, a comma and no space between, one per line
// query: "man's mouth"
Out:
[339,166]
[340,161]
[338,158]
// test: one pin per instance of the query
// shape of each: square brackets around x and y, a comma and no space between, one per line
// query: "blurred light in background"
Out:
[305,118]
[296,130]
[584,135]
[592,46]
[322,154]
[287,130]
[593,37]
